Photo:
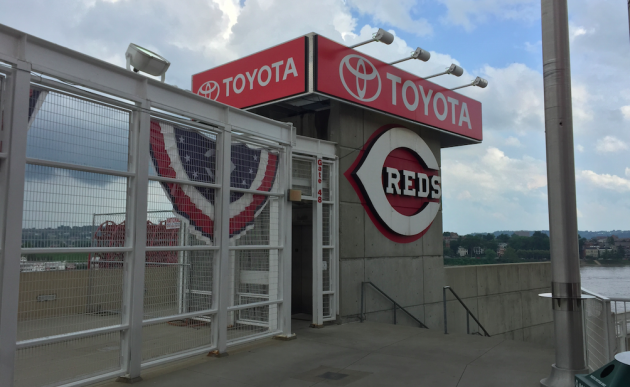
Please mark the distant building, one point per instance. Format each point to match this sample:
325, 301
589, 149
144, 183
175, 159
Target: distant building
462, 251
596, 251
477, 250
592, 252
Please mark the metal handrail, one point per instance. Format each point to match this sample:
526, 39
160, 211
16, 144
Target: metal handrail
468, 313
396, 305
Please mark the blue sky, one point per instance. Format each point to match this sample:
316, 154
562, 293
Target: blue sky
498, 185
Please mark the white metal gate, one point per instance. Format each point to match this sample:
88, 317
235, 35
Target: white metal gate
189, 257
315, 172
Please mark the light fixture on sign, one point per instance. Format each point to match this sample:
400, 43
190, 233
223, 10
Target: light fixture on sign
380, 36
453, 69
146, 61
479, 82
419, 54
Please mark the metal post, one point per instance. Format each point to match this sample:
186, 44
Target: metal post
318, 298
224, 154
362, 291
285, 254
12, 171
444, 301
136, 236
467, 323
566, 289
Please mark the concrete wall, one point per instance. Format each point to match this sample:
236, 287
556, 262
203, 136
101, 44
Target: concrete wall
504, 298
413, 273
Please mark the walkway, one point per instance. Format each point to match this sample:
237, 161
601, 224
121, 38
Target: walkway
368, 354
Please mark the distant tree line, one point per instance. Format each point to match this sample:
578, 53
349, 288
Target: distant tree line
535, 247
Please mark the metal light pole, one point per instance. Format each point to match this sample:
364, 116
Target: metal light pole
566, 285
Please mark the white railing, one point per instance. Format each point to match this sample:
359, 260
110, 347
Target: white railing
606, 328
81, 137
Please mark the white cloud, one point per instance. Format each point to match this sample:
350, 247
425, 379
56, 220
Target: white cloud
579, 148
513, 141
582, 102
464, 195
576, 31
534, 48
610, 144
606, 181
513, 100
627, 172
470, 13
625, 110
393, 13
493, 174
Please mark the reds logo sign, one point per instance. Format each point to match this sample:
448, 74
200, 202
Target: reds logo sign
398, 180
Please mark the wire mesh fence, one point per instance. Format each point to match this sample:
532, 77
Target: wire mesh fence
326, 182
80, 264
607, 326
67, 361
597, 333
178, 335
56, 302
621, 311
302, 176
59, 205
72, 129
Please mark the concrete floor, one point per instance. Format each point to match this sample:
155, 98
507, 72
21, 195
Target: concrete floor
368, 354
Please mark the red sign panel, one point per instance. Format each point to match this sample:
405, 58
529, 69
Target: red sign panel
266, 76
358, 78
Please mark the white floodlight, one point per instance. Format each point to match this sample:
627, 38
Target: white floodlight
380, 36
146, 61
419, 54
454, 70
479, 82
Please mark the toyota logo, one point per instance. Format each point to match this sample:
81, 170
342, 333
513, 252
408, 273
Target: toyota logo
362, 77
210, 90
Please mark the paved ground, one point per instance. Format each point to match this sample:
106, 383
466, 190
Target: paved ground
367, 354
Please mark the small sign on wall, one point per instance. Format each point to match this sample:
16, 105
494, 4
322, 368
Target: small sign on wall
173, 223
320, 164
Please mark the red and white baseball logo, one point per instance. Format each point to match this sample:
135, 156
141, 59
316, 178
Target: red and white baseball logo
397, 178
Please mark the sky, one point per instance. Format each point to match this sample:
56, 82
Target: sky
497, 185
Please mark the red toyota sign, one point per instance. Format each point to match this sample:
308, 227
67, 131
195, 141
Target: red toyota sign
272, 74
397, 178
345, 73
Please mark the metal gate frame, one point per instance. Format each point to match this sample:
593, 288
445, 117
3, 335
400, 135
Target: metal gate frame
319, 153
28, 61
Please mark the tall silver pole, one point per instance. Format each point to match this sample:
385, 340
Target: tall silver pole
565, 286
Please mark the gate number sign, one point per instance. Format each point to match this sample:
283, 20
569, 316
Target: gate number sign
319, 180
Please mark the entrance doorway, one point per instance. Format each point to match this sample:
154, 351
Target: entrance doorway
314, 259
302, 261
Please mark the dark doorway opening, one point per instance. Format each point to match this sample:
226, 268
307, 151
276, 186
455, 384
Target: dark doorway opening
302, 261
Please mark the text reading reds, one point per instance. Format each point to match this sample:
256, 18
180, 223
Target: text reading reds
409, 183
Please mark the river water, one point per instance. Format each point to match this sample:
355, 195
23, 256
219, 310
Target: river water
608, 281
